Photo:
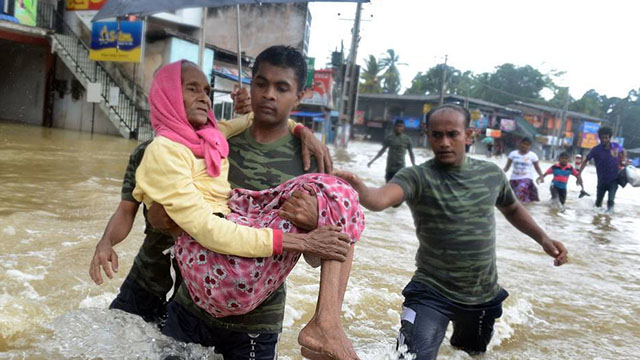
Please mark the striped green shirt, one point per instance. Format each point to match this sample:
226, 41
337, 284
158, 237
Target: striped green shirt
256, 166
454, 215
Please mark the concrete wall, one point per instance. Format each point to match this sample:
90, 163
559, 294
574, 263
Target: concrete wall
261, 27
22, 82
73, 114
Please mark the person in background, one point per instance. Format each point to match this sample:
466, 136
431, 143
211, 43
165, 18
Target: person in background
561, 172
608, 157
452, 198
578, 161
524, 161
398, 144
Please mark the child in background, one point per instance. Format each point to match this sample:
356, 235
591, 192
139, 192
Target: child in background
521, 181
561, 172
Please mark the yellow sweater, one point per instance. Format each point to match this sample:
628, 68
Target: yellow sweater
171, 175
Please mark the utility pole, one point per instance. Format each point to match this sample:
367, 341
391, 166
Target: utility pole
347, 103
563, 125
202, 43
444, 79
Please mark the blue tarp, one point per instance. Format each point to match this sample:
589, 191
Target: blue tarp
245, 80
309, 114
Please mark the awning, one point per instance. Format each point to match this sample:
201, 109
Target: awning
308, 114
231, 74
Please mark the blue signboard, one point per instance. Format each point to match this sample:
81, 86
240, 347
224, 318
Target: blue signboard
590, 127
116, 41
409, 122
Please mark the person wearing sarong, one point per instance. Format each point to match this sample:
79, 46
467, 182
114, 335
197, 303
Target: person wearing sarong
524, 161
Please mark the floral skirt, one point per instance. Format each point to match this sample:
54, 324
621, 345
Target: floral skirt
525, 190
225, 285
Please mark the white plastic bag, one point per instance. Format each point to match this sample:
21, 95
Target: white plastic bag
633, 175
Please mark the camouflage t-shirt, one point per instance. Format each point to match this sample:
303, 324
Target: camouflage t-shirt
150, 267
256, 166
453, 212
398, 146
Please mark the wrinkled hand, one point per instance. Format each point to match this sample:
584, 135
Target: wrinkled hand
104, 258
556, 250
311, 144
579, 181
301, 209
540, 180
160, 220
327, 242
241, 100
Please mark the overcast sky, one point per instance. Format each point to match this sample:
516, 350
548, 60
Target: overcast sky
595, 42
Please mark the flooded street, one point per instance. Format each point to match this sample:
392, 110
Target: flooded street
58, 188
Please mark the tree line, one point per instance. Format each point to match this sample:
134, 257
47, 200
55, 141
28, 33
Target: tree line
503, 86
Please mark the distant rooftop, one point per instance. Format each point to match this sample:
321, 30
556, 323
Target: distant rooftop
549, 109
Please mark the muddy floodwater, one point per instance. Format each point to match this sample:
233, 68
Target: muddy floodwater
58, 188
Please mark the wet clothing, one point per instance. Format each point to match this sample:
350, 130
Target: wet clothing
255, 166
426, 315
558, 193
137, 300
607, 162
226, 285
525, 190
398, 146
144, 290
522, 164
454, 216
603, 188
184, 326
561, 174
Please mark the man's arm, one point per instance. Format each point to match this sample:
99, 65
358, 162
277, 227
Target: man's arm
506, 167
519, 217
413, 158
117, 230
374, 199
384, 148
325, 243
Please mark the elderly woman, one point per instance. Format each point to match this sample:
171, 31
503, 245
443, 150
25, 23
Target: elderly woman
232, 254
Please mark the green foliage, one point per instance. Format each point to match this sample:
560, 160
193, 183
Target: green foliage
509, 83
370, 77
391, 76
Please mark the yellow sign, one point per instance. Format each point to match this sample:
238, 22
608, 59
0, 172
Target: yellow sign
116, 41
589, 140
85, 4
426, 108
476, 115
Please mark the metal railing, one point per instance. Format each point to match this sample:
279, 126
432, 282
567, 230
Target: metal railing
125, 109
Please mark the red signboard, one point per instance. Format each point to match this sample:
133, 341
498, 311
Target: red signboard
321, 92
85, 4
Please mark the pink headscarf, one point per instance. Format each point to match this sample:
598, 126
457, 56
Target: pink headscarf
169, 119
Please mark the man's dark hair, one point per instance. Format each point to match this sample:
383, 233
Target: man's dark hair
563, 154
284, 57
605, 130
398, 121
526, 140
454, 107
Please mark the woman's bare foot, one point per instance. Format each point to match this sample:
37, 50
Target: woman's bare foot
324, 342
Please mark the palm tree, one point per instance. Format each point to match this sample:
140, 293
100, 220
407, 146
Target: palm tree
391, 76
370, 77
